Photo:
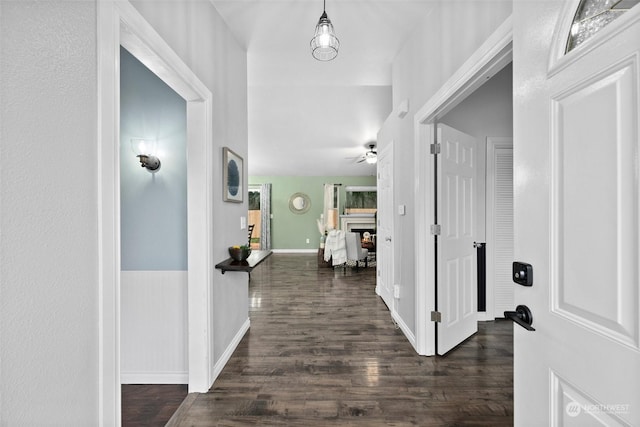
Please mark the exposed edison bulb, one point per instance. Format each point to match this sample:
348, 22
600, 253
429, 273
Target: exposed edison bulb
146, 152
324, 44
143, 146
325, 37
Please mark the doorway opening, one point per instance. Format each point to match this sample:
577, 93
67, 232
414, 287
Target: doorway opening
492, 57
486, 115
259, 216
153, 223
255, 218
120, 24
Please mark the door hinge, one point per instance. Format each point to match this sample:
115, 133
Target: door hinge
435, 229
436, 316
435, 148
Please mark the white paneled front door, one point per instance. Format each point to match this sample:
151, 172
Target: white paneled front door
577, 195
457, 275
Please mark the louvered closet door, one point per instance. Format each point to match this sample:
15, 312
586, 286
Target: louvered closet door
499, 225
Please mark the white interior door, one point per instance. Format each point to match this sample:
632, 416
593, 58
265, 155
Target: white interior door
499, 220
457, 286
384, 232
577, 199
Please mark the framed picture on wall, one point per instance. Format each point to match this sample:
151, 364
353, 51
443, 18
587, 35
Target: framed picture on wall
233, 187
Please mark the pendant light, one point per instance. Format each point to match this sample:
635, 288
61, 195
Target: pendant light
325, 44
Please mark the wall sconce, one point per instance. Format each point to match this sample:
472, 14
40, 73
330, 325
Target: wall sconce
145, 150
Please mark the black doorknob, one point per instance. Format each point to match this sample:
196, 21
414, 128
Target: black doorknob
522, 316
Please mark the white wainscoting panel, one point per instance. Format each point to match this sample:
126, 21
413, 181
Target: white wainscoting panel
154, 335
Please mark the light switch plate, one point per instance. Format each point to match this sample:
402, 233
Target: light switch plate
401, 209
243, 222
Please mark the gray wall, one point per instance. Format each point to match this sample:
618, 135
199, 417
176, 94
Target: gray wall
486, 112
153, 206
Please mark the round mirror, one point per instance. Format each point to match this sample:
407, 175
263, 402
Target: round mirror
299, 203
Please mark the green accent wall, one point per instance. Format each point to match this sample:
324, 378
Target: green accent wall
289, 230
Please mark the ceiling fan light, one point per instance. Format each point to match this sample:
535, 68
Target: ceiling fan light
371, 157
324, 44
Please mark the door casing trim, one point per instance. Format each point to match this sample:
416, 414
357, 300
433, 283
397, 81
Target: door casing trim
119, 23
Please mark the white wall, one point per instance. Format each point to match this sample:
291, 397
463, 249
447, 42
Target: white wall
49, 201
436, 49
197, 33
48, 214
340, 107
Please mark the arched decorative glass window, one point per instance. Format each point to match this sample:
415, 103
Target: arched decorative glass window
593, 15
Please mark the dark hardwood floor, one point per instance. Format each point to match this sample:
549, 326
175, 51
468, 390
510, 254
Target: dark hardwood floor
146, 405
323, 351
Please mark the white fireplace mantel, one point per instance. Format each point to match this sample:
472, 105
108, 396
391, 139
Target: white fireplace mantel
356, 221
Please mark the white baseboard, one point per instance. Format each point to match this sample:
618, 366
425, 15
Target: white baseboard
224, 358
154, 378
295, 251
405, 329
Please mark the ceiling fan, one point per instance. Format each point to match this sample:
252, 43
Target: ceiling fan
371, 156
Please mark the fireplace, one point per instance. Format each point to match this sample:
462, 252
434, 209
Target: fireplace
358, 222
371, 231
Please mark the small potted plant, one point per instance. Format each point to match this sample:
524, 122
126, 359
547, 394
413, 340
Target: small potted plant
239, 252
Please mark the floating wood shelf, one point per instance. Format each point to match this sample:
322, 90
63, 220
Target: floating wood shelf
252, 262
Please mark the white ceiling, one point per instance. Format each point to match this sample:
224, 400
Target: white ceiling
316, 118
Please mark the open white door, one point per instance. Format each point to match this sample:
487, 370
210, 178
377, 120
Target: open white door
384, 231
577, 196
456, 267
